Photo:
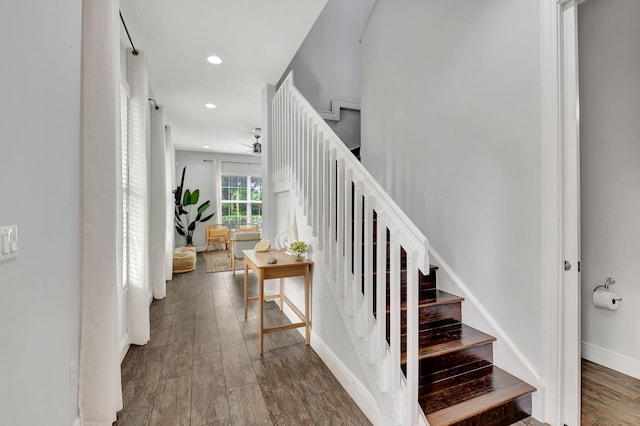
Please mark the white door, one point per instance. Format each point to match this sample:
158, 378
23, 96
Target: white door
570, 146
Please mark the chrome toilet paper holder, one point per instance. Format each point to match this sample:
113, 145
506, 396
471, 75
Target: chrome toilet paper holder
607, 283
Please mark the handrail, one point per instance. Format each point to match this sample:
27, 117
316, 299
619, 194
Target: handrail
359, 229
363, 172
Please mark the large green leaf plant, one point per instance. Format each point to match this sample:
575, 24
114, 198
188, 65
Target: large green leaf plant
184, 202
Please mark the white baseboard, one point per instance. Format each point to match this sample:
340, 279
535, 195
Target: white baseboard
77, 422
610, 359
354, 387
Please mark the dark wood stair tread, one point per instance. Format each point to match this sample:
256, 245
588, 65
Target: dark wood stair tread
442, 340
432, 297
472, 394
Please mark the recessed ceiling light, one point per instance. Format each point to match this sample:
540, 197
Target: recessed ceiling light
215, 60
210, 106
206, 146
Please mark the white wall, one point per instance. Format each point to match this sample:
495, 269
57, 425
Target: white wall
327, 64
610, 162
200, 175
451, 104
40, 192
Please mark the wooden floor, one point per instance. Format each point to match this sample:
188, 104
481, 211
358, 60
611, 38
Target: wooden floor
202, 365
608, 397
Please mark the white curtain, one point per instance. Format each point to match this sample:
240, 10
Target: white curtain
217, 190
170, 175
158, 205
100, 393
139, 293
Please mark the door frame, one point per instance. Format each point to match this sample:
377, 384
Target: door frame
560, 212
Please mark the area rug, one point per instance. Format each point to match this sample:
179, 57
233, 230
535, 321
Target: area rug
219, 261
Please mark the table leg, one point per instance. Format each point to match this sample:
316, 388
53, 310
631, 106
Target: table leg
261, 310
281, 294
307, 279
233, 260
246, 289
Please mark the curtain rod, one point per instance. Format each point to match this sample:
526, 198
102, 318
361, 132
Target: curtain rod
135, 52
234, 162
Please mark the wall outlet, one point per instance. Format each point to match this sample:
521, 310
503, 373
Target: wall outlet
73, 374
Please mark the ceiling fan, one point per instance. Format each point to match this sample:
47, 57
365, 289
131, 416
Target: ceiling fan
256, 147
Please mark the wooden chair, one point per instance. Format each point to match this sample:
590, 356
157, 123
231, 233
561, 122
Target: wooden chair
242, 241
247, 227
217, 233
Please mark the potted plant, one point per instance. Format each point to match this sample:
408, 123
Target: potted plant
300, 248
184, 202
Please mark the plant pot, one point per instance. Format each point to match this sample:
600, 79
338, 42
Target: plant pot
300, 257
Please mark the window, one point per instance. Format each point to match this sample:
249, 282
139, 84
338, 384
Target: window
241, 199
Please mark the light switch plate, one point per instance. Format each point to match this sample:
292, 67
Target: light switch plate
9, 241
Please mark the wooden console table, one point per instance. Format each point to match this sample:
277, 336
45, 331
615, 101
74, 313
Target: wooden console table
287, 266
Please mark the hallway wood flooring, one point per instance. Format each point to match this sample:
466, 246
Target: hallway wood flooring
608, 397
202, 365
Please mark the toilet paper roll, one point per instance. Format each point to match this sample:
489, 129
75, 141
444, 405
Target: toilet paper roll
606, 299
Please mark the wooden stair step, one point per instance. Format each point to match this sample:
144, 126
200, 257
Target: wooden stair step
442, 340
481, 392
433, 297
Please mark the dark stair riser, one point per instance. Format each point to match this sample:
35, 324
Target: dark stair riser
458, 376
446, 367
431, 316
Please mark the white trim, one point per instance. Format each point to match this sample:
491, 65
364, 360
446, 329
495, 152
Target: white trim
76, 422
354, 387
552, 273
610, 359
336, 106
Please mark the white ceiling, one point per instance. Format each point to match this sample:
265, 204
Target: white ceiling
256, 40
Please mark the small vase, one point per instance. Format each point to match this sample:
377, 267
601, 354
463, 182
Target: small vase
299, 257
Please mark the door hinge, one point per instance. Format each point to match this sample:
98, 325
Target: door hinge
579, 266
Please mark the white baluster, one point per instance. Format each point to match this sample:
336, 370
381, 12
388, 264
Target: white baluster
333, 206
356, 283
319, 190
340, 241
381, 285
369, 204
395, 310
411, 392
348, 241
325, 195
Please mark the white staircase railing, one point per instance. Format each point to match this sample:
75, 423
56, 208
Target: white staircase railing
344, 205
